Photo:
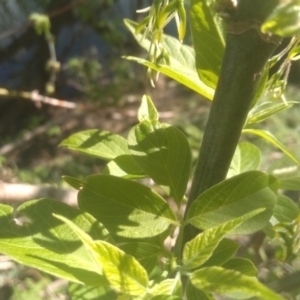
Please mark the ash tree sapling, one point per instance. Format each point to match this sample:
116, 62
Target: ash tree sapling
112, 246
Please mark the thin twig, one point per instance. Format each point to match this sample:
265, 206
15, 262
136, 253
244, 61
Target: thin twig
38, 98
50, 15
19, 143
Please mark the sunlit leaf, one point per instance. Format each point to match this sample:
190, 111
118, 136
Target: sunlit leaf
246, 158
208, 42
235, 197
170, 286
263, 114
102, 144
201, 248
284, 20
182, 62
182, 74
147, 110
231, 283
123, 271
37, 239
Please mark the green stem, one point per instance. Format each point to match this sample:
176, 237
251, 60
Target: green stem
247, 51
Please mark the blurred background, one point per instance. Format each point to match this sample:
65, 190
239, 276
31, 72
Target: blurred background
77, 79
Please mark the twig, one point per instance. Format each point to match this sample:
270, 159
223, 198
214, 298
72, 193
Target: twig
38, 98
51, 15
4, 150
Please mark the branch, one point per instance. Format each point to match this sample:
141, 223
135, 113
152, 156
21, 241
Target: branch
38, 98
50, 15
246, 54
4, 150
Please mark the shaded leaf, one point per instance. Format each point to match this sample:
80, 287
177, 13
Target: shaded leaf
163, 152
102, 144
231, 283
145, 253
285, 209
208, 42
124, 166
125, 207
261, 88
193, 293
223, 252
166, 297
85, 292
243, 265
73, 182
45, 243
235, 197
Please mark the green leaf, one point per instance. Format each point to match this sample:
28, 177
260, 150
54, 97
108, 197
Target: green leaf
168, 287
123, 271
125, 207
242, 265
180, 73
41, 24
235, 197
163, 152
246, 158
146, 254
182, 62
124, 166
73, 182
166, 297
273, 140
231, 283
102, 144
201, 248
268, 230
285, 210
287, 173
284, 20
208, 42
222, 253
261, 88
192, 293
35, 238
262, 115
85, 292
147, 110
